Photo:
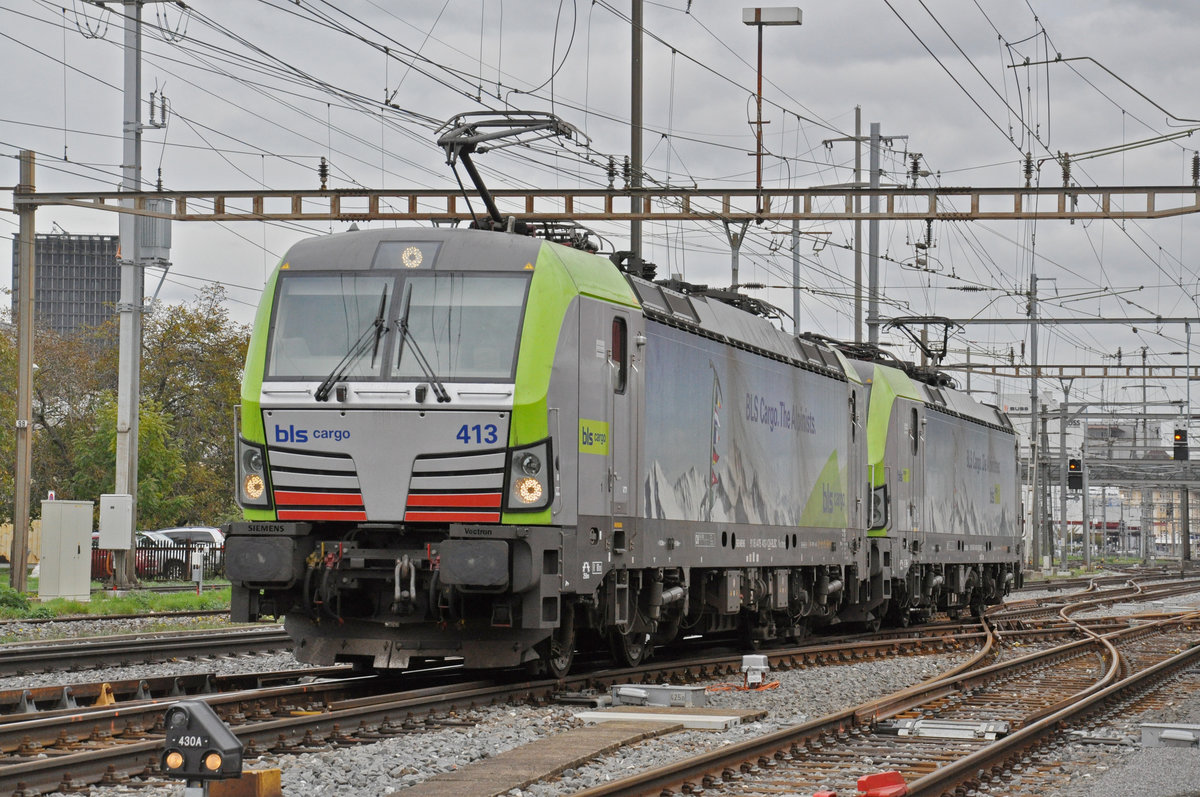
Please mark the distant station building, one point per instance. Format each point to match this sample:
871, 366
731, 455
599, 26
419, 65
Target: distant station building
78, 280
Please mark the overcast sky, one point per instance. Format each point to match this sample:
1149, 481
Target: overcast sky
258, 92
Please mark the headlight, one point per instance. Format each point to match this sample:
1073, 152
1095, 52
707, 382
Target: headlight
528, 490
252, 475
254, 486
530, 478
252, 460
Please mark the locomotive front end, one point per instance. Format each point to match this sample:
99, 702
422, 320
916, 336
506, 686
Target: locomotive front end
395, 466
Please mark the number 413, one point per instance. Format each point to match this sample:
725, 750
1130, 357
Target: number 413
478, 433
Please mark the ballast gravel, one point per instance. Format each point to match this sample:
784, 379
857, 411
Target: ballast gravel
25, 633
18, 632
1127, 769
1087, 768
455, 741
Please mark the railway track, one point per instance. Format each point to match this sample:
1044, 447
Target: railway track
70, 750
24, 703
978, 727
1133, 591
1025, 701
128, 649
107, 743
1113, 578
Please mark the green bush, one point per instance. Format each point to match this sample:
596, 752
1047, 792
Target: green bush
11, 599
39, 613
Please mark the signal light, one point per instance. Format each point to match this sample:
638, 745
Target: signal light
199, 746
1181, 444
1074, 474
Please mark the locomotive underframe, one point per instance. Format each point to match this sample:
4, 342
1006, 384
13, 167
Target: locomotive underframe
499, 596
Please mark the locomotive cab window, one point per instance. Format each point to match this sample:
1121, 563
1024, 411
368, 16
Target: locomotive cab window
319, 318
466, 325
619, 355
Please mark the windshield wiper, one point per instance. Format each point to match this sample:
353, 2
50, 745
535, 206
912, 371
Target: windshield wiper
368, 339
439, 390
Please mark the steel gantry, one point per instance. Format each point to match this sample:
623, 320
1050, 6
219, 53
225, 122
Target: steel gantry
648, 204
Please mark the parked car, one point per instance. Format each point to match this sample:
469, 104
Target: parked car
200, 535
208, 539
165, 558
157, 556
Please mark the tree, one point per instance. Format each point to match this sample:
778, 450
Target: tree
192, 364
76, 374
162, 494
8, 417
190, 383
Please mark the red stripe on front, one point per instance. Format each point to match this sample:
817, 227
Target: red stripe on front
301, 514
453, 517
292, 498
485, 500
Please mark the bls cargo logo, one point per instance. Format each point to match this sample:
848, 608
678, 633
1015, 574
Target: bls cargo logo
593, 437
290, 434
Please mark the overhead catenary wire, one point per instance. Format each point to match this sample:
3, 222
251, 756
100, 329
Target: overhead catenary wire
524, 167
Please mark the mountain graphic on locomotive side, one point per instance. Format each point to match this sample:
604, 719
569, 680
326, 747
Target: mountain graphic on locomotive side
465, 444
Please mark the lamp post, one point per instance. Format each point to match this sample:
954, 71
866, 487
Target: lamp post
1185, 498
761, 17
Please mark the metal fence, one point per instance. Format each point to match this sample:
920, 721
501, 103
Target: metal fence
162, 562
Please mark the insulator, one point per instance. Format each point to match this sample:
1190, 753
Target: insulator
612, 171
158, 185
916, 168
323, 172
929, 233
626, 171
1028, 169
1196, 168
1065, 159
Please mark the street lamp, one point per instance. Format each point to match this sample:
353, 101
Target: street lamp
761, 17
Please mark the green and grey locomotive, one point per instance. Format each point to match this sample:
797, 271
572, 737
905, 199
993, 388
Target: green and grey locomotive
462, 444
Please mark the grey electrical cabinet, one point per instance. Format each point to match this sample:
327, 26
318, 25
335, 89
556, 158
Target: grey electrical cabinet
66, 561
116, 521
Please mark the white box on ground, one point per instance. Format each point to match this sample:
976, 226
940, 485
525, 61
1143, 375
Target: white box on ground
658, 695
754, 667
66, 562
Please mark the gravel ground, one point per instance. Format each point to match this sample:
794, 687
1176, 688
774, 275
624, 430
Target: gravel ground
1088, 769
232, 665
18, 632
1130, 770
387, 766
23, 633
1189, 601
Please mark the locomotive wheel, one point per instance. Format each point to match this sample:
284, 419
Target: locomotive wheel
560, 647
630, 649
